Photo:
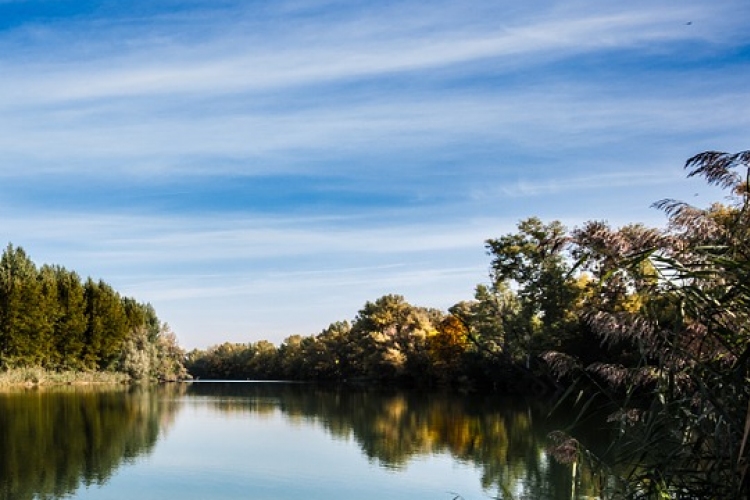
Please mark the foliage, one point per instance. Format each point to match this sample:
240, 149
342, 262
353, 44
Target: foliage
534, 262
24, 326
389, 341
681, 390
52, 321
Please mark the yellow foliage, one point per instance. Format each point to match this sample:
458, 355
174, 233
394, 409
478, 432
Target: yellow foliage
632, 303
448, 341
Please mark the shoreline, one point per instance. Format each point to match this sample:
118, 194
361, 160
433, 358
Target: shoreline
33, 377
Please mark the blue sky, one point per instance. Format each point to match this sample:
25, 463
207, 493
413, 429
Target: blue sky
261, 169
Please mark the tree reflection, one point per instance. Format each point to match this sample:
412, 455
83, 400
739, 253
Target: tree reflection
505, 439
55, 440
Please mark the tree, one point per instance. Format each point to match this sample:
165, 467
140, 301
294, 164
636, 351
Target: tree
70, 318
24, 326
446, 349
533, 262
494, 319
600, 251
329, 353
389, 339
107, 327
264, 361
50, 319
169, 363
292, 355
138, 355
683, 402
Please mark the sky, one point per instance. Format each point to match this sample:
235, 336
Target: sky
259, 169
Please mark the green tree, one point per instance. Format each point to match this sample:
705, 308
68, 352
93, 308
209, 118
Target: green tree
24, 326
49, 318
292, 356
534, 263
328, 355
493, 319
70, 325
227, 361
107, 325
264, 362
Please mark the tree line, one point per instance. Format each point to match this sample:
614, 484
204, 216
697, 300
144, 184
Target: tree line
544, 280
51, 318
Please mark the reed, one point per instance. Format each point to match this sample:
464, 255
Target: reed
38, 376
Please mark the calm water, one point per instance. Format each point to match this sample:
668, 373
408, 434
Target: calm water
272, 441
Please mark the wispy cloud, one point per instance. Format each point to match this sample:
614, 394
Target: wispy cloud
236, 61
155, 101
132, 139
574, 184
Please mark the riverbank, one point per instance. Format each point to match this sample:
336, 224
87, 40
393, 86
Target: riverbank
36, 376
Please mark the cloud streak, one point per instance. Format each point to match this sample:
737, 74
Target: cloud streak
235, 61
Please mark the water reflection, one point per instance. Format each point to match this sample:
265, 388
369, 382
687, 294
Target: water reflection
506, 439
54, 440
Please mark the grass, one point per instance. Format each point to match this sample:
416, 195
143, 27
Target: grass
36, 376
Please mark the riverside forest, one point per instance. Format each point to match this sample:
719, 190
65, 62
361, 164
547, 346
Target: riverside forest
648, 325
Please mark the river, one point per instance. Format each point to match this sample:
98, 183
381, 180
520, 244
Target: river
245, 440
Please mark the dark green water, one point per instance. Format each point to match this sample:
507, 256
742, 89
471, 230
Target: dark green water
273, 441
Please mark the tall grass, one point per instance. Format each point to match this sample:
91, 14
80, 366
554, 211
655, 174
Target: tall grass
36, 376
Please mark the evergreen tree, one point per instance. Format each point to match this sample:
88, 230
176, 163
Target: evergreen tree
23, 325
71, 322
107, 327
